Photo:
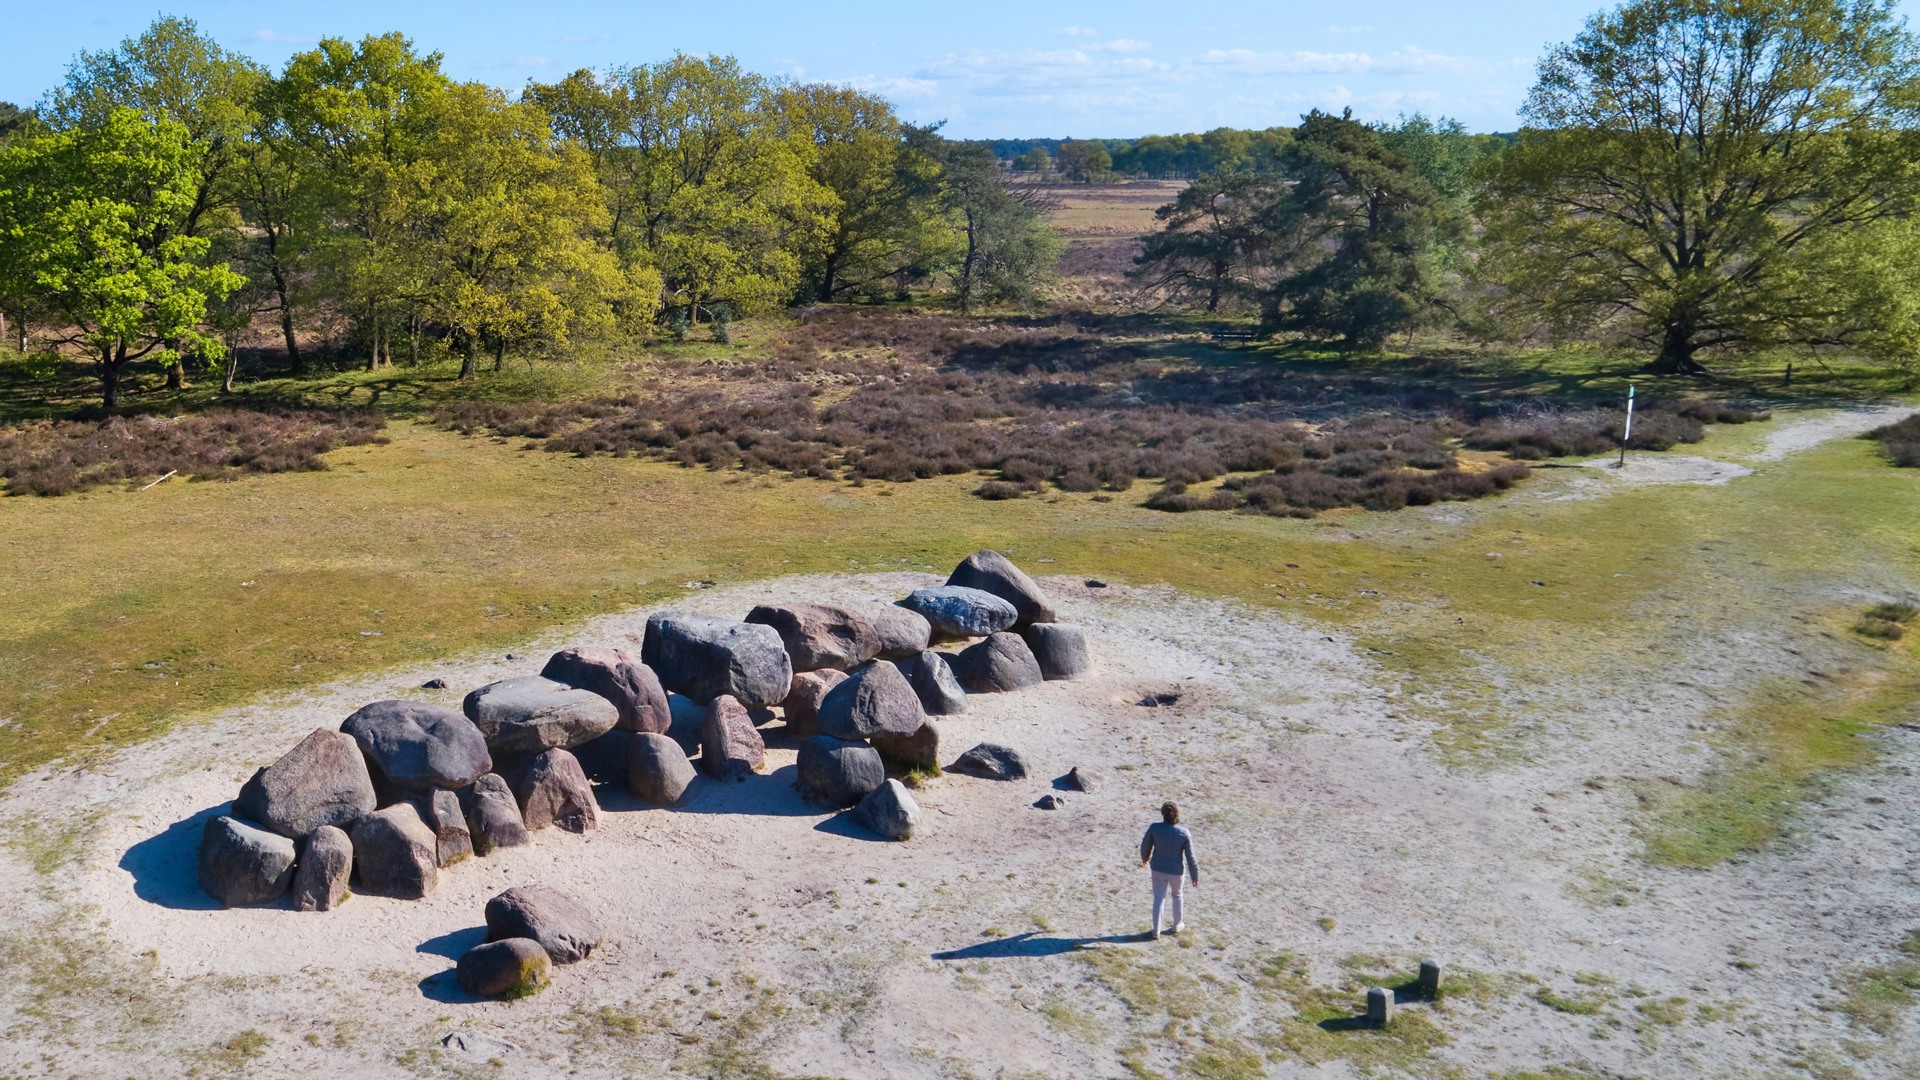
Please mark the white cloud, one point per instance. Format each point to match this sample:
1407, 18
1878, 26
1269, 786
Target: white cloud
1079, 31
895, 88
1121, 45
1410, 59
532, 61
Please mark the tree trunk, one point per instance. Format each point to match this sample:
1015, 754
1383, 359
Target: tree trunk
831, 271
373, 335
966, 267
1676, 351
177, 374
110, 377
499, 353
466, 357
233, 368
294, 359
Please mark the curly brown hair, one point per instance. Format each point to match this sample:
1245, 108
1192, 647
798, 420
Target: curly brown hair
1169, 813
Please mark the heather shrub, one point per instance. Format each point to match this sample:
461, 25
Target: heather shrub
1900, 441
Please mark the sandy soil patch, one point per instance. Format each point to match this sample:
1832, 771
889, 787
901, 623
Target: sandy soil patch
1666, 469
751, 935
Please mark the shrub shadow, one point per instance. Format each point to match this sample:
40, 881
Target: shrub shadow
166, 867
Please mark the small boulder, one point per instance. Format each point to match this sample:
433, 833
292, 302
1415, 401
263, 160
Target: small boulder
621, 678
802, 705
452, 840
933, 682
509, 968
704, 658
326, 863
919, 751
657, 769
435, 683
416, 747
874, 700
890, 811
493, 816
903, 633
730, 747
958, 613
1075, 780
553, 790
534, 713
837, 772
990, 571
991, 761
1047, 802
242, 864
820, 635
322, 781
395, 853
563, 926
1000, 663
1060, 650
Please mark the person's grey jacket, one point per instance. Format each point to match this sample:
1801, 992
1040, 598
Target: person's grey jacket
1169, 849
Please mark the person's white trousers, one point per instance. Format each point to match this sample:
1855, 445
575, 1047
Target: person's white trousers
1163, 884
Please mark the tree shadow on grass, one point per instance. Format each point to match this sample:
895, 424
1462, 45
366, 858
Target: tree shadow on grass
166, 867
1032, 944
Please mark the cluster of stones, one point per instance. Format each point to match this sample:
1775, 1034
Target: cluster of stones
405, 789
531, 929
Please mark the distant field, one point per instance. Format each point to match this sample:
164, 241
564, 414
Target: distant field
1099, 211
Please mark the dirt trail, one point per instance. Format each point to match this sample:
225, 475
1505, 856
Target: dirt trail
748, 931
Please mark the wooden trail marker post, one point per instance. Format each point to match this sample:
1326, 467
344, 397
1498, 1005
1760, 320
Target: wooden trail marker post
1627, 432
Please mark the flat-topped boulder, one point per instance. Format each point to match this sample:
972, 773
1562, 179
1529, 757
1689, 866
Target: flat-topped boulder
532, 713
730, 746
395, 853
415, 746
956, 613
989, 571
242, 864
801, 706
874, 700
563, 926
902, 632
820, 635
657, 769
621, 678
932, 679
1059, 649
704, 657
837, 772
991, 761
996, 665
322, 781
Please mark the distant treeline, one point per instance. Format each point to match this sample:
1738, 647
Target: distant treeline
1169, 157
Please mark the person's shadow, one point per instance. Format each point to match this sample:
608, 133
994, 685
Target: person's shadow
166, 867
1032, 944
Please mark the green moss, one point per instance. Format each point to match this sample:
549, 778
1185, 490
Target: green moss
1589, 1004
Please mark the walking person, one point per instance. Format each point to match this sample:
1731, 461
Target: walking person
1168, 847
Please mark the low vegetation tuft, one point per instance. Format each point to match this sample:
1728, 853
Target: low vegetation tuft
61, 456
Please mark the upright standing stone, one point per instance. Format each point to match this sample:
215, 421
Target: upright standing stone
730, 747
990, 571
621, 678
453, 841
933, 680
874, 700
657, 769
1430, 979
395, 853
493, 816
553, 790
890, 811
326, 863
1000, 663
1379, 1006
1059, 649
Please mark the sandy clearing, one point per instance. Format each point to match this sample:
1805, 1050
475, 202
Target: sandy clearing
746, 921
1825, 426
1666, 469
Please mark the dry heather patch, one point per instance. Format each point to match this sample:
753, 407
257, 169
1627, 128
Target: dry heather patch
61, 456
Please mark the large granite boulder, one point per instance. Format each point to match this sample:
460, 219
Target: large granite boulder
395, 853
730, 746
918, 752
562, 925
241, 864
322, 781
836, 772
820, 635
526, 715
889, 811
1000, 663
416, 746
657, 769
510, 968
990, 571
553, 790
802, 704
704, 657
902, 632
452, 840
493, 816
875, 699
931, 677
957, 613
326, 863
621, 678
991, 761
1060, 650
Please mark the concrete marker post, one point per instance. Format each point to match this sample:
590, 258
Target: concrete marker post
1430, 979
1379, 1006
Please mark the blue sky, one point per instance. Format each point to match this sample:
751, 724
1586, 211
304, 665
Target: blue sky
989, 68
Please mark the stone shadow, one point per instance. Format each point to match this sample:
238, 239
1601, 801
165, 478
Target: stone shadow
455, 943
166, 866
1032, 944
444, 987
